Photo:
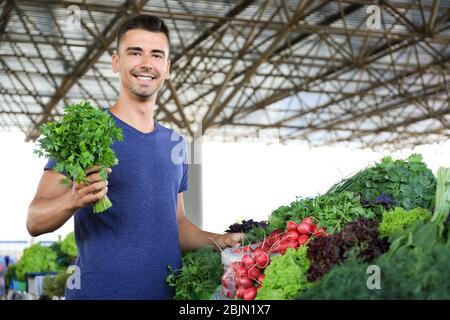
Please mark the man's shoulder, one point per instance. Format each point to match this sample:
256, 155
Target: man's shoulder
174, 135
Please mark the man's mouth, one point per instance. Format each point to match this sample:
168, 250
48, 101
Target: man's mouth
144, 77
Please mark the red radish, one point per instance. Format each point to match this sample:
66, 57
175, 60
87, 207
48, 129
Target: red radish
304, 228
236, 265
292, 235
302, 239
287, 245
291, 226
250, 293
228, 293
293, 244
261, 278
320, 233
247, 249
275, 235
308, 220
313, 228
226, 281
284, 245
276, 232
254, 273
258, 251
274, 248
266, 247
262, 261
248, 261
242, 271
237, 282
240, 293
245, 283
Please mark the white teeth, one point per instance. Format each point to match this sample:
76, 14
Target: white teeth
144, 78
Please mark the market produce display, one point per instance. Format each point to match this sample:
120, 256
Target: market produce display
79, 141
253, 265
393, 215
36, 258
199, 276
415, 267
55, 258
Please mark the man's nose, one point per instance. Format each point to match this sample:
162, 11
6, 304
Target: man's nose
146, 63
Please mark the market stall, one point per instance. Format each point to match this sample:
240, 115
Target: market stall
380, 234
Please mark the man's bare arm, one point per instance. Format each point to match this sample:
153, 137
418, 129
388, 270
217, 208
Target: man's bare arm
193, 238
54, 203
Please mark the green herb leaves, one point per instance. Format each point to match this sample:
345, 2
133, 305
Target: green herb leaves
332, 212
199, 277
409, 182
79, 141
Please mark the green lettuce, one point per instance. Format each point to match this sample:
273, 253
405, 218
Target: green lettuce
286, 276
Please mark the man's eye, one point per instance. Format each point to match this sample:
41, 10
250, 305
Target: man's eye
157, 56
135, 53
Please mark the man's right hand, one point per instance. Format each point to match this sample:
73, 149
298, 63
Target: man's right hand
86, 194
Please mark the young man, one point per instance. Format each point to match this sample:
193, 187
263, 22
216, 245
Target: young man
125, 251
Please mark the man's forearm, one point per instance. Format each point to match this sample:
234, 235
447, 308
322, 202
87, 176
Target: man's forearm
46, 215
193, 238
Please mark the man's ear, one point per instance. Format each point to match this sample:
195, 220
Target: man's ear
168, 70
115, 63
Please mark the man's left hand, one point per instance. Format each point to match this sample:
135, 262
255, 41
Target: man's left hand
229, 239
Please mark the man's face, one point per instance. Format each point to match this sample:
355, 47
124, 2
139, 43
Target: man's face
142, 62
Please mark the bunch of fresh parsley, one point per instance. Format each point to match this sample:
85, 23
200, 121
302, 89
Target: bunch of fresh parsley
79, 141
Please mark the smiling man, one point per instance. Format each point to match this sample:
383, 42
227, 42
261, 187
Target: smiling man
125, 251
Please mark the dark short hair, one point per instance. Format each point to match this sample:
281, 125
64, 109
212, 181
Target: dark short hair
144, 22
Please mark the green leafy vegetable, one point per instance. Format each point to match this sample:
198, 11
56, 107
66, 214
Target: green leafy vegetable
79, 141
286, 276
332, 212
68, 245
399, 219
432, 233
36, 259
199, 276
409, 182
56, 286
258, 234
442, 208
411, 273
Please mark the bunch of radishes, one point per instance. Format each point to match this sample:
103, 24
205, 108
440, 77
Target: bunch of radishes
243, 278
295, 235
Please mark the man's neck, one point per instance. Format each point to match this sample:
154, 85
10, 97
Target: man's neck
138, 114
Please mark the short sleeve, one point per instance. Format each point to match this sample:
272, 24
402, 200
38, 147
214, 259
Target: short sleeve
50, 165
184, 179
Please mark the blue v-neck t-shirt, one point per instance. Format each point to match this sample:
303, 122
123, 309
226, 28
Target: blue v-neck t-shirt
124, 252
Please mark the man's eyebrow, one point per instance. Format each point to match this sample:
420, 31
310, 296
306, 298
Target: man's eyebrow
134, 49
159, 51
